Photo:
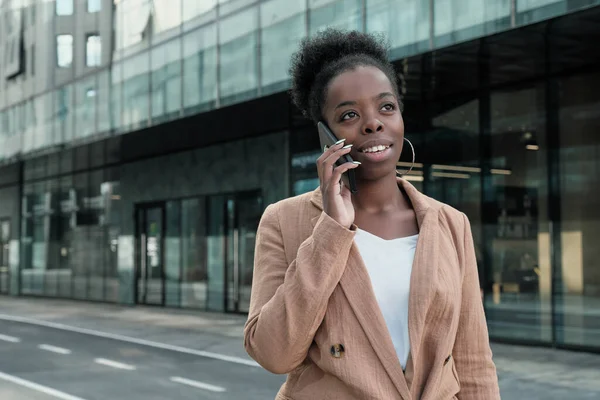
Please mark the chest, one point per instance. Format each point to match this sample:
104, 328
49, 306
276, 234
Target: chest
388, 225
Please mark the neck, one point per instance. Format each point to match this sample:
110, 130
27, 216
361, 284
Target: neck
379, 196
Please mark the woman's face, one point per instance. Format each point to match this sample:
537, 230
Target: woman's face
362, 108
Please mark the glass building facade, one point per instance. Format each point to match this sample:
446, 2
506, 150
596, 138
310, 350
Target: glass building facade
143, 179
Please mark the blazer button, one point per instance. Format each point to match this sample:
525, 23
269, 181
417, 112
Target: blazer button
337, 350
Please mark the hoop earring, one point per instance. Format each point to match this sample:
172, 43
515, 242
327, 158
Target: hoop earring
401, 174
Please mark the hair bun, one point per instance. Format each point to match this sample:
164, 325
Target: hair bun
324, 48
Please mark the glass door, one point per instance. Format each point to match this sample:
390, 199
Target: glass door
4, 260
150, 261
243, 215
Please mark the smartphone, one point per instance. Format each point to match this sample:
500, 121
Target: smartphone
327, 139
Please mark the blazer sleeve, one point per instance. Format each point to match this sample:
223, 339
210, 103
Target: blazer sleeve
472, 352
288, 302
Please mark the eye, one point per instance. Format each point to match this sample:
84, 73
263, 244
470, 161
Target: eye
389, 107
348, 115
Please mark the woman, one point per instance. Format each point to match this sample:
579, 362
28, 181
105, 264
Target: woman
371, 295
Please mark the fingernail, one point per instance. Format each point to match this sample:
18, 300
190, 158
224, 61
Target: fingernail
347, 146
325, 149
356, 162
340, 141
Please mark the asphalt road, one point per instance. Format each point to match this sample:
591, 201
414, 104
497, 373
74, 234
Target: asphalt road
37, 360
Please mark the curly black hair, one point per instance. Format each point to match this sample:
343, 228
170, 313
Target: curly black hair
327, 54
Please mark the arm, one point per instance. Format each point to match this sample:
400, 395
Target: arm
472, 353
288, 302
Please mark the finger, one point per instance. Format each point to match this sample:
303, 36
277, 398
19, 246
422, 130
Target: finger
330, 149
327, 153
336, 175
328, 163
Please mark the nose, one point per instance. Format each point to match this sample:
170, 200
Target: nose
372, 125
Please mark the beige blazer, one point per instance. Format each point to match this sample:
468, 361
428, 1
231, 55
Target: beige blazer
313, 314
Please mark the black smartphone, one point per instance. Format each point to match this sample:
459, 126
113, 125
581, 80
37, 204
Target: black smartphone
327, 139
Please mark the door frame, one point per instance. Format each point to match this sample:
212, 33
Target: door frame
140, 212
235, 196
3, 220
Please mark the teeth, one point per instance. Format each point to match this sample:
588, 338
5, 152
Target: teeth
375, 149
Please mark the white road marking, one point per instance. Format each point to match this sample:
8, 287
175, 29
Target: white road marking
38, 387
143, 342
54, 349
11, 339
196, 384
114, 364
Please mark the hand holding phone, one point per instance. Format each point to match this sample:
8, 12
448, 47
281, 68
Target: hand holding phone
332, 165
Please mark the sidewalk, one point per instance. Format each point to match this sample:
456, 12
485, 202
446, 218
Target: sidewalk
524, 372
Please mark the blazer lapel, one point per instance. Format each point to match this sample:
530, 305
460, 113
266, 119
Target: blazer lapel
424, 268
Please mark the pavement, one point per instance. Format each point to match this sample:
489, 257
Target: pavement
61, 349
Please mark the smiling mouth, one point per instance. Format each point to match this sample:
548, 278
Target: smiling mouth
375, 149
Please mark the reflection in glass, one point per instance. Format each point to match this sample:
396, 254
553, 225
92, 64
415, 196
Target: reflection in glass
519, 305
238, 68
64, 7
103, 101
93, 51
63, 114
200, 69
173, 254
405, 24
194, 9
341, 14
283, 25
166, 81
578, 298
64, 50
530, 11
166, 14
85, 107
194, 285
94, 6
136, 82
458, 20
116, 92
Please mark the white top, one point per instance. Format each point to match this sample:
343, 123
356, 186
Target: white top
389, 263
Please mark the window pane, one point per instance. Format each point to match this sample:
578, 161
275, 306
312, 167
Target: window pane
193, 237
578, 296
131, 21
518, 306
104, 101
64, 7
405, 24
94, 5
64, 50
63, 114
342, 14
173, 254
166, 14
93, 54
283, 26
116, 91
136, 83
197, 12
529, 11
166, 81
200, 70
238, 66
459, 20
85, 107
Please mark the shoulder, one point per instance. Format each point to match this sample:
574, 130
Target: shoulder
451, 220
292, 210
